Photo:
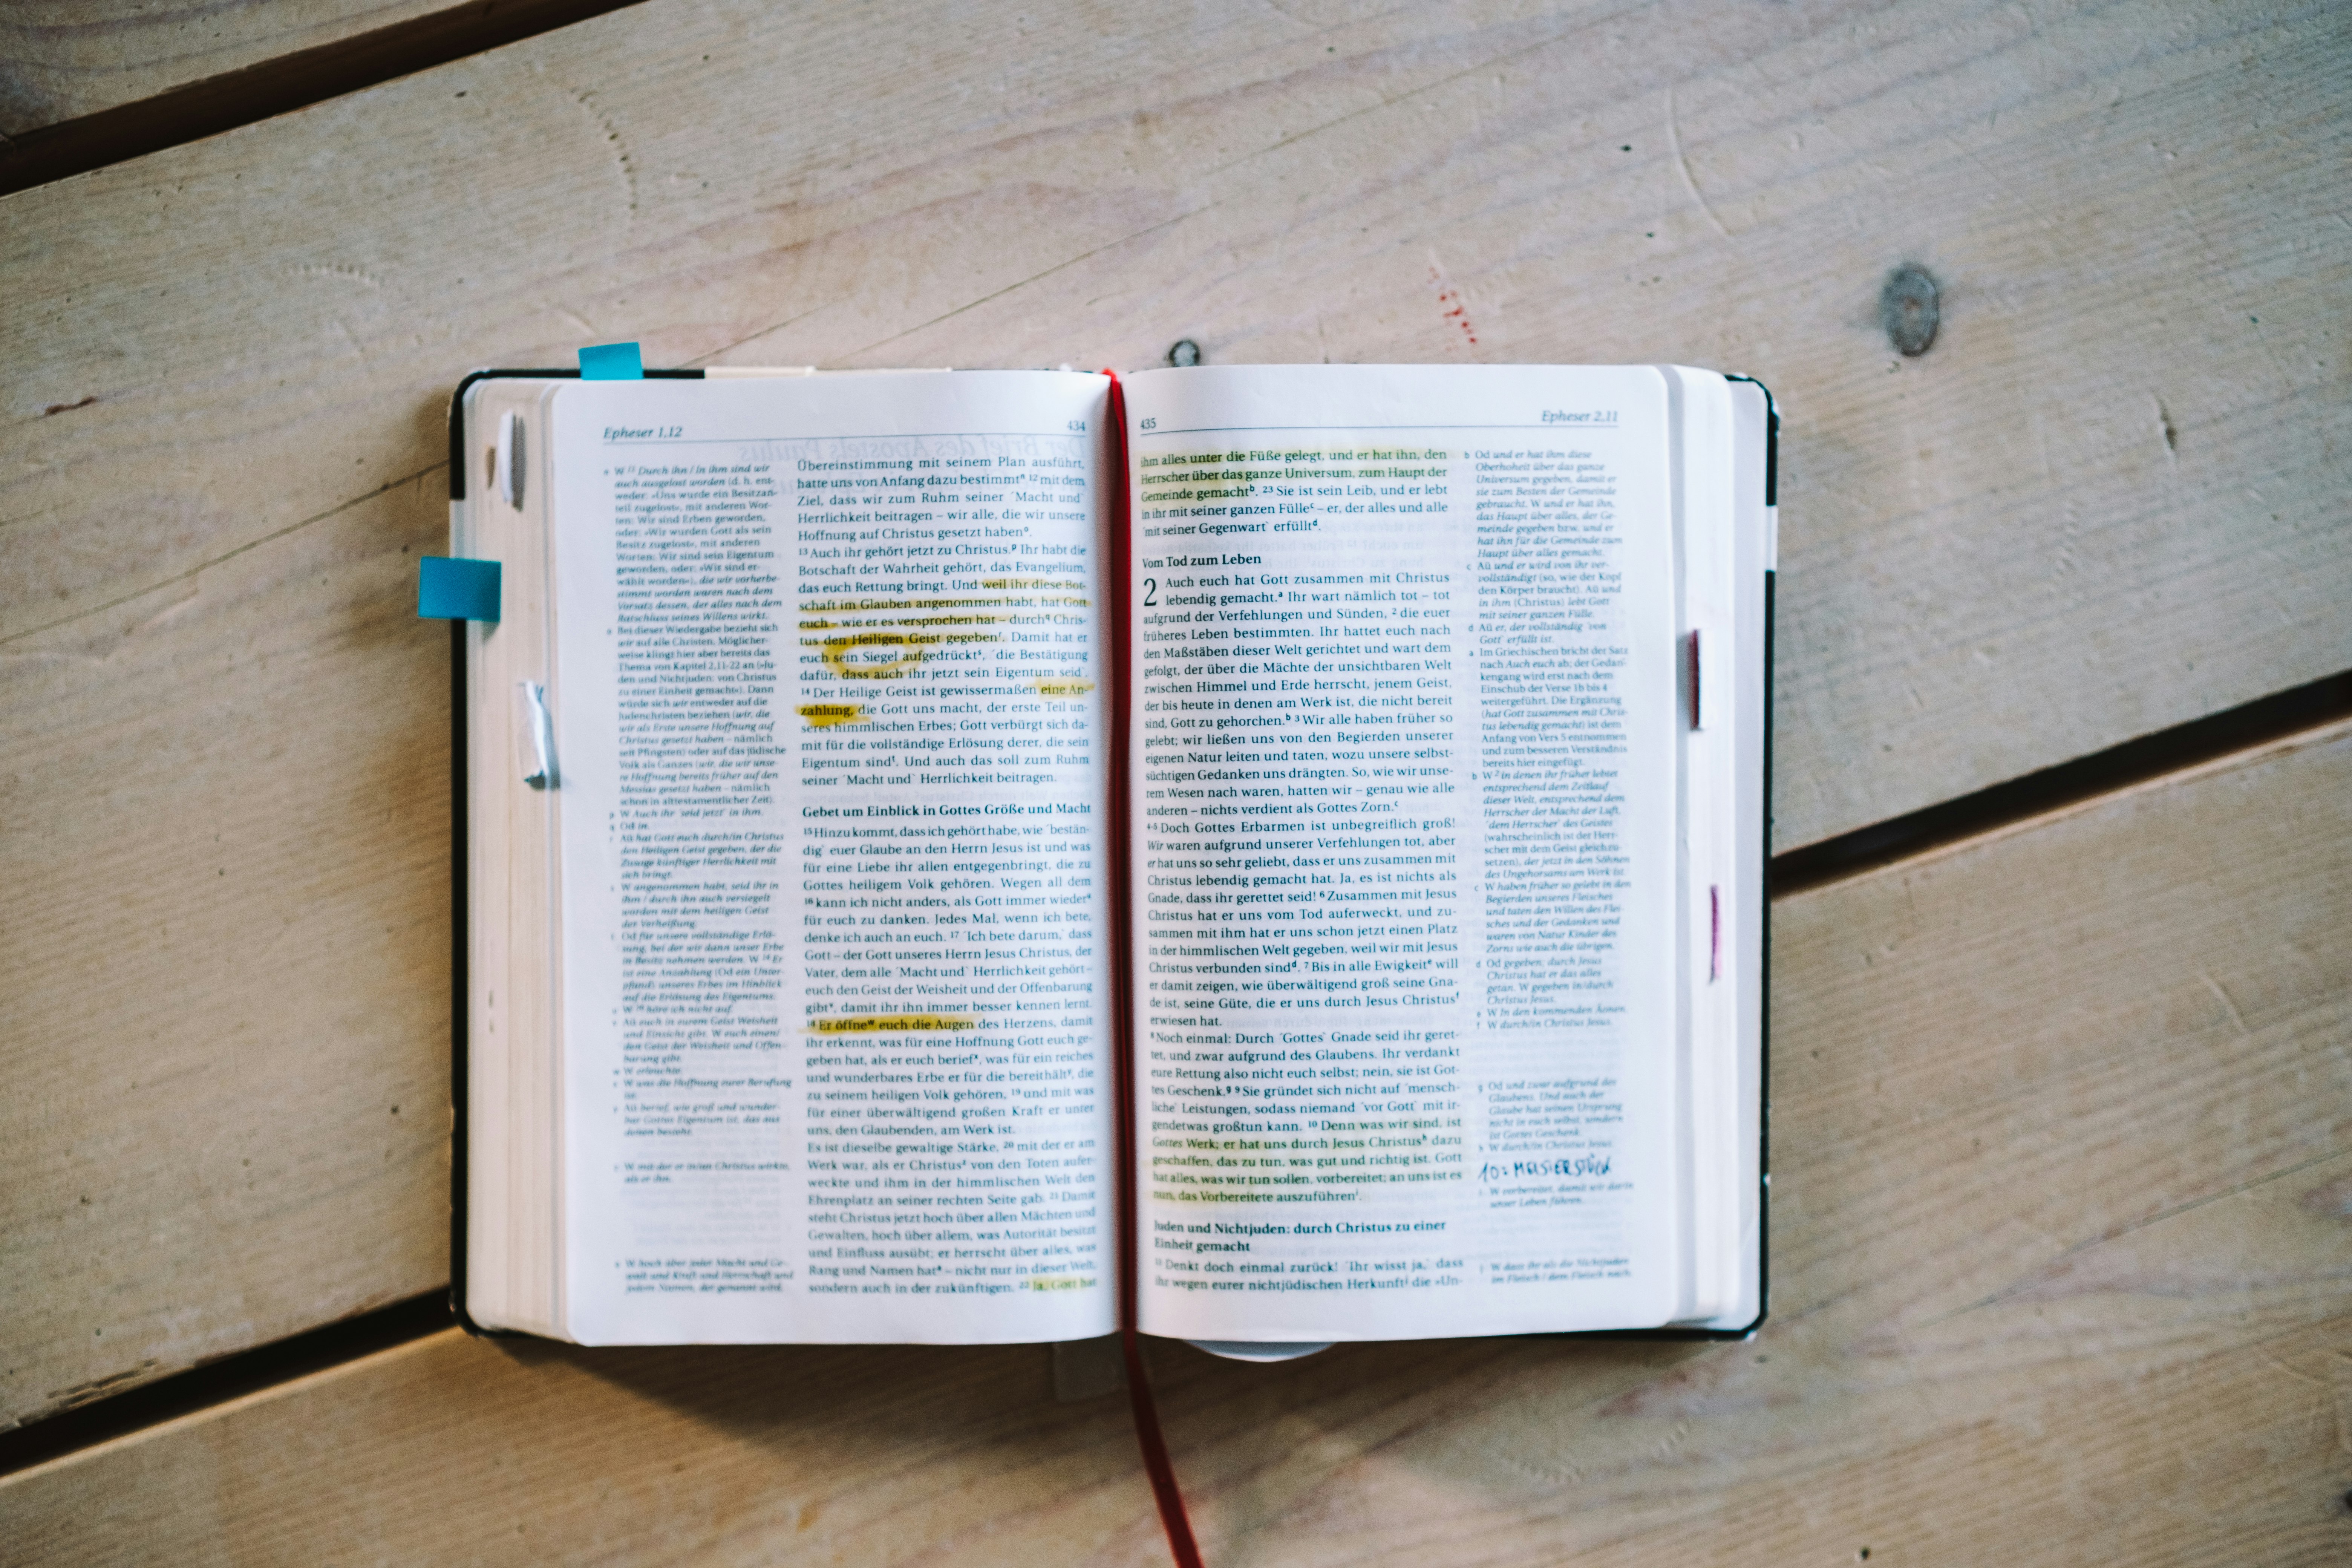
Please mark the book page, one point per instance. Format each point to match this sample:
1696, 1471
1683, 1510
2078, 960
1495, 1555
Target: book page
1405, 813
829, 718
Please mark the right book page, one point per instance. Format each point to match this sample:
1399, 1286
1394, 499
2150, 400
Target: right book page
1411, 904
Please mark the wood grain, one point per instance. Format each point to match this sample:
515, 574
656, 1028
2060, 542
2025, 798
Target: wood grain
67, 59
2109, 498
2062, 1230
224, 1020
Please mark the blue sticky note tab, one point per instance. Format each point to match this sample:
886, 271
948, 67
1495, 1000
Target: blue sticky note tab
452, 588
612, 362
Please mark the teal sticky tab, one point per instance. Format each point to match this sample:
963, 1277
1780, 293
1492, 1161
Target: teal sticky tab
452, 588
612, 362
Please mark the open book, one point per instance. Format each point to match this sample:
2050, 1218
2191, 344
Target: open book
934, 840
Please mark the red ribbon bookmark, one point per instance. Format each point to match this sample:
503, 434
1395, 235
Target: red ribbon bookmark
1172, 1519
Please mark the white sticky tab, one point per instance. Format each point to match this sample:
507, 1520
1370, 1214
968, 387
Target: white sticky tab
541, 726
508, 466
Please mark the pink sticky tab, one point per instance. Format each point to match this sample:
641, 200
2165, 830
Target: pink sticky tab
1690, 647
1715, 932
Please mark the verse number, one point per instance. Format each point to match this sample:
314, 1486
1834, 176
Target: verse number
1152, 424
1152, 590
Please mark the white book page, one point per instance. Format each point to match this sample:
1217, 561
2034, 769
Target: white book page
1404, 813
1743, 939
836, 985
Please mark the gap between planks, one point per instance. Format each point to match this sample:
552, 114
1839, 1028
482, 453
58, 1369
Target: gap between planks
249, 94
1940, 849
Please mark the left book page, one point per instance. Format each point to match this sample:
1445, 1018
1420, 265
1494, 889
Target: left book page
829, 702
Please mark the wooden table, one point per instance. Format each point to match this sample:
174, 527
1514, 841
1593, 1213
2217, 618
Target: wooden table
2062, 1188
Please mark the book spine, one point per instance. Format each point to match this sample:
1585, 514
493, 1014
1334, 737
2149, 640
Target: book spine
1166, 1495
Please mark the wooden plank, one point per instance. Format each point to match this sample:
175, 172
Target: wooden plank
2062, 1220
231, 357
68, 58
224, 1020
1997, 556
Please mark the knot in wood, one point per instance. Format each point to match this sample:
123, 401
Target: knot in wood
1907, 309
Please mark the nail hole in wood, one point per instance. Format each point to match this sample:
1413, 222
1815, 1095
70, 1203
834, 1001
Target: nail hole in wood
1907, 310
1185, 353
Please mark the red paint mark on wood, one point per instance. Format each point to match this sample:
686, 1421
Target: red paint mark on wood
1450, 305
